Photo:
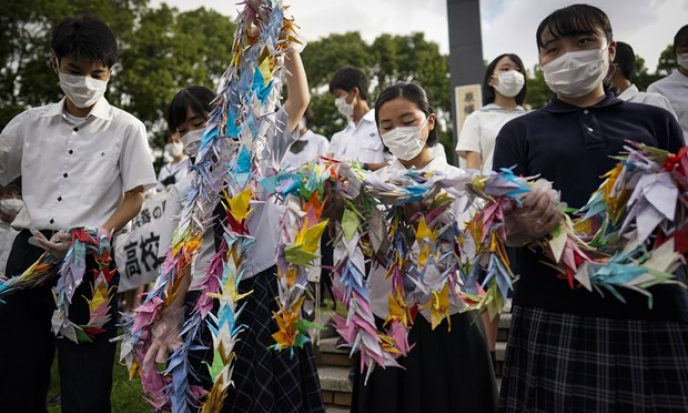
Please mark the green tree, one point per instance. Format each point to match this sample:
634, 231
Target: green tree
643, 77
388, 59
667, 62
25, 26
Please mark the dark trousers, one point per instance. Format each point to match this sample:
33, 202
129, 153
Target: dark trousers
27, 345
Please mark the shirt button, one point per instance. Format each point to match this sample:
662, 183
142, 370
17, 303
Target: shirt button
65, 174
585, 111
71, 151
590, 130
76, 129
52, 221
59, 199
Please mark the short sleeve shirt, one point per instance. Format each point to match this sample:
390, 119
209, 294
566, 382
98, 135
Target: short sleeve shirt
572, 147
74, 175
480, 131
313, 146
675, 88
360, 142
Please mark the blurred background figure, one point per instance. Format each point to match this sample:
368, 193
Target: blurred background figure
622, 80
675, 86
179, 164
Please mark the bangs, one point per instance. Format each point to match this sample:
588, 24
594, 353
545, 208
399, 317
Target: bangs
197, 98
573, 21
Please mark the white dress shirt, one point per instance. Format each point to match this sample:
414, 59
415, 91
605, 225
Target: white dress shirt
632, 94
315, 147
74, 175
379, 287
675, 88
360, 142
480, 130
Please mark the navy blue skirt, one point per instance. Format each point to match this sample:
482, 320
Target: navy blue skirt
558, 362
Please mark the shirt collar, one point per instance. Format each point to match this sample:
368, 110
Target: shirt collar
558, 106
493, 107
368, 117
629, 93
437, 164
679, 77
101, 109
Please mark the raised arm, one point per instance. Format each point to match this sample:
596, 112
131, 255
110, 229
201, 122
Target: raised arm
297, 87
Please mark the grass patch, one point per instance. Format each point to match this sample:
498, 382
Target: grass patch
126, 396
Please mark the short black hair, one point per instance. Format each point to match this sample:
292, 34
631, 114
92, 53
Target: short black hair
413, 93
198, 98
681, 37
309, 115
348, 78
625, 60
13, 188
488, 91
574, 21
86, 37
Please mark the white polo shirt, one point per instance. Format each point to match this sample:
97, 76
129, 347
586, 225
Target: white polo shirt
314, 147
480, 130
74, 175
632, 94
675, 88
360, 142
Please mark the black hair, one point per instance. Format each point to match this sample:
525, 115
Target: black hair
348, 78
625, 60
198, 98
413, 93
574, 21
85, 37
488, 91
681, 37
309, 115
13, 188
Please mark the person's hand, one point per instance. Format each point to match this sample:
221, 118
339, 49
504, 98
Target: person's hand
535, 219
166, 335
57, 245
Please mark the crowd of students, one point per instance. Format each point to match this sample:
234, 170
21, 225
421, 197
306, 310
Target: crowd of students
84, 163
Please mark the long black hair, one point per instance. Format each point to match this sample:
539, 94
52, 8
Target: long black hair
198, 98
413, 93
574, 20
488, 90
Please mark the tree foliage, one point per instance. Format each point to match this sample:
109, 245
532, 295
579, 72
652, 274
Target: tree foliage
163, 50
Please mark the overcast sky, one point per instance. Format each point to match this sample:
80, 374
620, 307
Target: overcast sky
507, 25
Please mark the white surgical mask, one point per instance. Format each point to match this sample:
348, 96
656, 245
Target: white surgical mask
682, 59
11, 206
192, 142
346, 109
405, 142
174, 149
510, 83
576, 74
83, 91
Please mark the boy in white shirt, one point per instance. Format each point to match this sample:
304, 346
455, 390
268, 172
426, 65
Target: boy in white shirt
622, 77
675, 86
83, 163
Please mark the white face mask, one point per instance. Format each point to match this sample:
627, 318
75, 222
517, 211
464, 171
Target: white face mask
83, 91
405, 142
510, 83
682, 60
11, 206
346, 109
174, 149
192, 142
576, 74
